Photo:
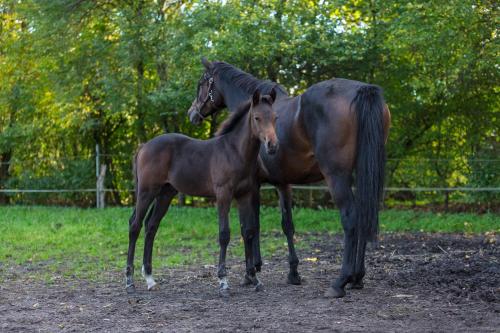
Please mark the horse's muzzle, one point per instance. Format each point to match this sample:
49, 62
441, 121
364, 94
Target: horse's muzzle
194, 116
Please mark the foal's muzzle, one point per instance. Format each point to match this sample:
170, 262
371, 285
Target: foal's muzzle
271, 148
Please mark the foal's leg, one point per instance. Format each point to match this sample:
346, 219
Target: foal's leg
249, 231
285, 193
340, 188
223, 205
135, 223
256, 214
160, 209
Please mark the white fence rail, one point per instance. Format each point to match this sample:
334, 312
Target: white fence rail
100, 174
268, 187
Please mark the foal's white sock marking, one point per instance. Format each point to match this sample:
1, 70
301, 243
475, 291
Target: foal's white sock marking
149, 279
223, 284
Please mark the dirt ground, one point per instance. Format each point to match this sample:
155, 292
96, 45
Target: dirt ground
414, 283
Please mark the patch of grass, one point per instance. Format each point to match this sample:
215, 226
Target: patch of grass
86, 242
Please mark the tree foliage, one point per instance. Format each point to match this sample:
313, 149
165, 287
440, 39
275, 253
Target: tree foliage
76, 73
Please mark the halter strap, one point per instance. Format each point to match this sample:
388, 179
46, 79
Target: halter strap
210, 95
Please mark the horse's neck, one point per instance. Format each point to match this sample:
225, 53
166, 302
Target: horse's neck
243, 140
233, 95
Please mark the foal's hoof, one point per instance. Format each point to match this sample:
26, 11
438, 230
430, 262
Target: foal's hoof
334, 292
259, 286
294, 278
224, 292
246, 281
356, 285
154, 286
130, 289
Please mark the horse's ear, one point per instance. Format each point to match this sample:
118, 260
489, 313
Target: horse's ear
256, 97
208, 65
273, 95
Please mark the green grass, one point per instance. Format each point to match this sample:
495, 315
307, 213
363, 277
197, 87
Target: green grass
86, 242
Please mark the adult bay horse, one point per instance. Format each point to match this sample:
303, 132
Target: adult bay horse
334, 129
224, 167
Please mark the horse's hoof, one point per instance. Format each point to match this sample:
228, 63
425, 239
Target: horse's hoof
334, 292
259, 286
224, 292
130, 289
294, 278
246, 281
356, 285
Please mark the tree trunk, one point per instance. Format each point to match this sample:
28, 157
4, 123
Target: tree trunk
4, 174
141, 129
139, 68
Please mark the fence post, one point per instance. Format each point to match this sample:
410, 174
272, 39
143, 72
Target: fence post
181, 199
97, 162
100, 174
100, 187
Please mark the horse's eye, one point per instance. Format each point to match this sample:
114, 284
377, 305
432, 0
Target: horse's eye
257, 118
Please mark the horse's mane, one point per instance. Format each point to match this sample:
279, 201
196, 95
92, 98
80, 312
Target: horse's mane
234, 118
245, 81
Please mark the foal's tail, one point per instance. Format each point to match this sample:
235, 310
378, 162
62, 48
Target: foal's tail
136, 181
134, 168
370, 159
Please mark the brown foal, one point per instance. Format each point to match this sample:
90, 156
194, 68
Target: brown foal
224, 167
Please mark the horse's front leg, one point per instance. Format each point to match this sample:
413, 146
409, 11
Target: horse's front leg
223, 206
249, 220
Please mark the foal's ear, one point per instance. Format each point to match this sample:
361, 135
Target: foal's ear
208, 65
256, 97
273, 95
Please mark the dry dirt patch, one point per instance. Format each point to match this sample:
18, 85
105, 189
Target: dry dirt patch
415, 282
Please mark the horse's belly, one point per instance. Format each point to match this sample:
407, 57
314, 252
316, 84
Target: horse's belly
291, 168
303, 174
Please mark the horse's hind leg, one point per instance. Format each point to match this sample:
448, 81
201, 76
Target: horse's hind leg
285, 193
340, 188
135, 223
359, 268
161, 206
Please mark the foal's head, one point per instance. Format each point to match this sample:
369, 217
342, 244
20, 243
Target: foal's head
263, 120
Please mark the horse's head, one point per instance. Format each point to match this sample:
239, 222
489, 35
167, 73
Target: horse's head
208, 98
263, 120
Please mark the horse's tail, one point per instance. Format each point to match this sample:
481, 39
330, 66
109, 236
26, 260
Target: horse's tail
370, 159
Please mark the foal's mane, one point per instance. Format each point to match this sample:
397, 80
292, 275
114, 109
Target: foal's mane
245, 81
234, 118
